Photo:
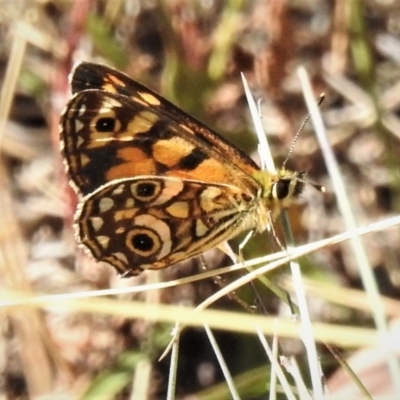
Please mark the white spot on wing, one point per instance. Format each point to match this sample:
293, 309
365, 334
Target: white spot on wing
201, 228
118, 190
106, 203
97, 223
81, 110
207, 197
103, 241
78, 125
172, 187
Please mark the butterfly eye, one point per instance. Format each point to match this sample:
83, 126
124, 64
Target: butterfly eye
106, 124
280, 189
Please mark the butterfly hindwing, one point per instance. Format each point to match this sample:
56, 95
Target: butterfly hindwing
152, 222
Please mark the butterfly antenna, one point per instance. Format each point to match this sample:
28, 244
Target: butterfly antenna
320, 100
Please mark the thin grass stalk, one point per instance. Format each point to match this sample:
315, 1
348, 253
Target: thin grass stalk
307, 334
173, 365
222, 363
278, 369
349, 220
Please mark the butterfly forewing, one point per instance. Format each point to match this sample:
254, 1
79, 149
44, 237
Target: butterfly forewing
107, 136
101, 77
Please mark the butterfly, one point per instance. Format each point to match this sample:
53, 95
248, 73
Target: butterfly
156, 185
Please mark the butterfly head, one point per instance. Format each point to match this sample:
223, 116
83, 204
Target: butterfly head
277, 192
286, 188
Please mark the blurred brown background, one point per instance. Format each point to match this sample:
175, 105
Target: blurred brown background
193, 52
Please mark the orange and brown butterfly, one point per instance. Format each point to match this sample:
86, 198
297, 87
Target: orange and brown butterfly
156, 185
